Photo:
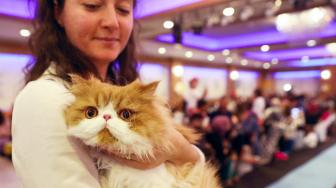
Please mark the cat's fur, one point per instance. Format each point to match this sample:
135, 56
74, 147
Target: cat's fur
144, 130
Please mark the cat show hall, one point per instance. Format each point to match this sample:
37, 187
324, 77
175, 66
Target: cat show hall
242, 91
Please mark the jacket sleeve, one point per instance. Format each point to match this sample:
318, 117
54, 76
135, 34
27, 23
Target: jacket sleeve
43, 154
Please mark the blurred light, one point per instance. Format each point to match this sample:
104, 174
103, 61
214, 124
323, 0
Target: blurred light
228, 11
278, 3
211, 57
177, 46
162, 50
229, 60
25, 33
244, 62
266, 65
287, 87
305, 58
331, 47
311, 43
326, 74
234, 75
246, 13
265, 48
178, 70
275, 61
310, 20
168, 24
189, 54
226, 52
180, 88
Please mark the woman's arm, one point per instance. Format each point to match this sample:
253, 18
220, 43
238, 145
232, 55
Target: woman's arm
43, 155
183, 152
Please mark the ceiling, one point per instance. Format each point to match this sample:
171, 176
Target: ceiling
209, 37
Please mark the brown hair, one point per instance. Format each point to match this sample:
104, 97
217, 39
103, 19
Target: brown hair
49, 43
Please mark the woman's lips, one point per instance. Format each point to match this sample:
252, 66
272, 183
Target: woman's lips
109, 41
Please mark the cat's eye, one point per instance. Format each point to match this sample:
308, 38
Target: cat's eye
125, 114
91, 112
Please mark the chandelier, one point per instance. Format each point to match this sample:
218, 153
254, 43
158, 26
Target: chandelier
308, 21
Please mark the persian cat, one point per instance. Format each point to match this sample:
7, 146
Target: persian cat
132, 120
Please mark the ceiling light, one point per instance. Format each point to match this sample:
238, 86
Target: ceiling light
244, 62
189, 54
178, 70
162, 50
331, 47
275, 61
287, 87
265, 48
211, 57
310, 20
168, 24
234, 75
266, 65
229, 60
228, 11
311, 43
226, 52
325, 74
25, 32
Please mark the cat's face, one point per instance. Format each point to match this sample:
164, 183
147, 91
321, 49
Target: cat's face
114, 117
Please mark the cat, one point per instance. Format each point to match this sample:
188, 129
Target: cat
132, 120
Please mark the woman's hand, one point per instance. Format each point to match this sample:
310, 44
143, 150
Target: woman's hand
182, 152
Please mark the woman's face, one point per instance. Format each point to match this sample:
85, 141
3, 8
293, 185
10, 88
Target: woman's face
99, 28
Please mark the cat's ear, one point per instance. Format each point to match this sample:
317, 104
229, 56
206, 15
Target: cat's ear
150, 88
136, 83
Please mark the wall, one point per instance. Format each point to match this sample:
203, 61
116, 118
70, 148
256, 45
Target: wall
303, 82
214, 80
246, 83
11, 78
155, 72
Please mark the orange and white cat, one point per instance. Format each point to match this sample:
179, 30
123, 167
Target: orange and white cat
133, 121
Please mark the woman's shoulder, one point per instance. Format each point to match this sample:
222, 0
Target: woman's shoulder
45, 90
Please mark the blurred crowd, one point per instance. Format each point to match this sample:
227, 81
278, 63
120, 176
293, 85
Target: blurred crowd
5, 134
242, 133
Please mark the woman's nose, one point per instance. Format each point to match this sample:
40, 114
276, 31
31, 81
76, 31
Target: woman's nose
110, 18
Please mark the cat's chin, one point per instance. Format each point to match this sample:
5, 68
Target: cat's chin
91, 141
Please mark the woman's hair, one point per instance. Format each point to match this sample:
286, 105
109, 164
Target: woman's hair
49, 43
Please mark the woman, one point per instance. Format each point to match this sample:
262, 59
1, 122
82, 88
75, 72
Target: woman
82, 37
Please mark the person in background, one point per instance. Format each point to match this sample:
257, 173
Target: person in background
193, 94
221, 110
259, 104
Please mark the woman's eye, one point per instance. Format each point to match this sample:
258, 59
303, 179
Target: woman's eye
91, 112
125, 114
123, 10
91, 7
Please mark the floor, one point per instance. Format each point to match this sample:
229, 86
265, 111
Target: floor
275, 171
318, 172
319, 163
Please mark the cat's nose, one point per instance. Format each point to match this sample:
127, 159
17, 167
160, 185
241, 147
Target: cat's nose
107, 117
